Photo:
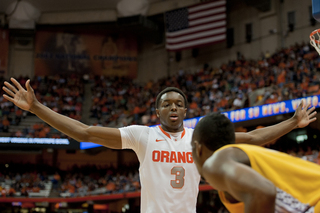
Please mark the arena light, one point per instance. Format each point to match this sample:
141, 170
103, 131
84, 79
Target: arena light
22, 15
301, 138
127, 8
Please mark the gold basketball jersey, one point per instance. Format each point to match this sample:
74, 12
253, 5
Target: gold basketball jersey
297, 181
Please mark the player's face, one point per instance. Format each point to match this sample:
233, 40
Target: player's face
172, 111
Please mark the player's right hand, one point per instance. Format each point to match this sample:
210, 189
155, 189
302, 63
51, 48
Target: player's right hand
22, 98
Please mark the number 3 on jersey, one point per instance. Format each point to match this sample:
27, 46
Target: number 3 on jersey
179, 172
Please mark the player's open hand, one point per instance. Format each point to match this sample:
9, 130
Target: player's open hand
304, 115
22, 98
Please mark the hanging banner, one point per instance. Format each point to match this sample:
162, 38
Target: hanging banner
57, 52
4, 51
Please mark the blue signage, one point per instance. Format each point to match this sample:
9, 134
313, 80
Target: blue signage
32, 141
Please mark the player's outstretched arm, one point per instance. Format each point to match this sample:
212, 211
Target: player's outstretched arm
26, 100
301, 118
225, 173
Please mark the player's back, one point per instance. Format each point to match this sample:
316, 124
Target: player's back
297, 181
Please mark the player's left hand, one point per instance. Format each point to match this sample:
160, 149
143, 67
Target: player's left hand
303, 115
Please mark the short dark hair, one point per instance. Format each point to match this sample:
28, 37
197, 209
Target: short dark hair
214, 131
171, 89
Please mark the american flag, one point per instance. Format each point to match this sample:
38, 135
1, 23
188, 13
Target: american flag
196, 26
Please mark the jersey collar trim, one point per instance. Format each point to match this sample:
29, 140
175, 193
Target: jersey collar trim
183, 133
164, 132
168, 135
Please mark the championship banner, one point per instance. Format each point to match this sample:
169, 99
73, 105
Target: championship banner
4, 51
57, 53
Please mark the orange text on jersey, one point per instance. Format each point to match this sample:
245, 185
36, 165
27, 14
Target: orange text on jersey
172, 156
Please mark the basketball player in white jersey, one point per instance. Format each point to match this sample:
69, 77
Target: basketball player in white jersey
169, 178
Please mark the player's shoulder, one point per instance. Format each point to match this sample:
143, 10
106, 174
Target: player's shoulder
230, 152
135, 128
189, 129
188, 132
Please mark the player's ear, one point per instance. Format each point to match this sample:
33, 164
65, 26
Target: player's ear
198, 147
158, 113
185, 112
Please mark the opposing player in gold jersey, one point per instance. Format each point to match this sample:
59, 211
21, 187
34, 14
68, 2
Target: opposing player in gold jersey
250, 178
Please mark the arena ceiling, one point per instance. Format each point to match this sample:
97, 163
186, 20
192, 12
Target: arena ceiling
83, 11
64, 5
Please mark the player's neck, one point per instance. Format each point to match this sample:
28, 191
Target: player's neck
172, 130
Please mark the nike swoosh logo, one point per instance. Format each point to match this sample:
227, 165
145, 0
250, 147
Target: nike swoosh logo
159, 140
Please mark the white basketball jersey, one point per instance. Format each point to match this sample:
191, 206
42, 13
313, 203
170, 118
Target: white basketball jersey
169, 178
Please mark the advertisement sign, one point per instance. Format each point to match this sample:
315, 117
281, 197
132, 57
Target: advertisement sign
262, 111
21, 142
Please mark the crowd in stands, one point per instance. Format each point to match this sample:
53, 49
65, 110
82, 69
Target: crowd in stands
39, 130
90, 180
117, 101
63, 94
287, 74
24, 179
20, 180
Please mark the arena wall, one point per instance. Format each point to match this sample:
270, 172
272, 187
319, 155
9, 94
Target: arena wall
269, 33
